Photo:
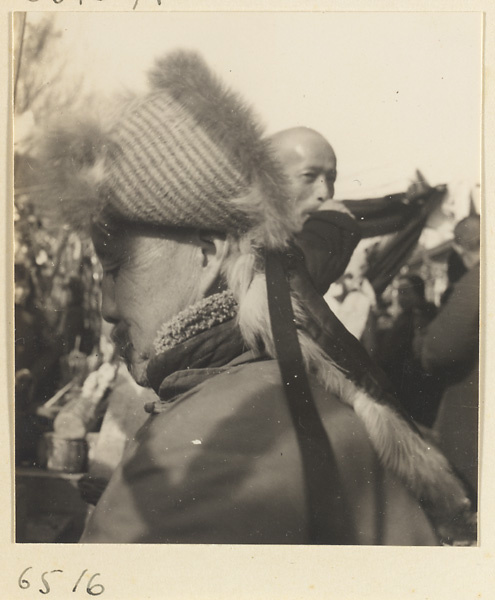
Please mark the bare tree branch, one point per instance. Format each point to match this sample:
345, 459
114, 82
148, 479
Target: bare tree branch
45, 82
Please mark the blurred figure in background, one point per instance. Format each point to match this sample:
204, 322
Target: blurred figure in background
72, 325
353, 300
455, 270
418, 391
449, 348
74, 336
36, 366
29, 324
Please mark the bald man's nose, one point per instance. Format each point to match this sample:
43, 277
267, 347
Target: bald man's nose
325, 189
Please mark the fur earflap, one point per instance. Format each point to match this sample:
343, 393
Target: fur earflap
72, 158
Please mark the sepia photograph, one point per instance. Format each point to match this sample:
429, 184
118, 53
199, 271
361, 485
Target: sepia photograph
248, 264
247, 278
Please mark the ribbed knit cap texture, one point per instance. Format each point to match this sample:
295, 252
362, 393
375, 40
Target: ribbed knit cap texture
163, 169
192, 154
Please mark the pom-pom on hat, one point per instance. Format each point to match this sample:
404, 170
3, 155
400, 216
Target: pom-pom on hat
190, 153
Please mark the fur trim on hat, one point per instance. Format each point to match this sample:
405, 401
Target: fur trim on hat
230, 123
72, 156
78, 158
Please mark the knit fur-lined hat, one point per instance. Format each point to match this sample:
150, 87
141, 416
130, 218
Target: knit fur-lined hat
189, 153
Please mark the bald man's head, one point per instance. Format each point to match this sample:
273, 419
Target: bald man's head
310, 165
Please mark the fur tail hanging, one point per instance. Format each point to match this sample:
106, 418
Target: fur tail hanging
418, 464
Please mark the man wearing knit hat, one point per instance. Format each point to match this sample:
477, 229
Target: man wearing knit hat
189, 218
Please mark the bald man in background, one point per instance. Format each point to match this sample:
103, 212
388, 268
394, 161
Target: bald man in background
329, 233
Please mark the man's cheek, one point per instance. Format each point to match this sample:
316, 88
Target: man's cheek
306, 192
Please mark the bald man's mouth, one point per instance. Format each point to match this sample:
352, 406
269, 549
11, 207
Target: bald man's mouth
309, 210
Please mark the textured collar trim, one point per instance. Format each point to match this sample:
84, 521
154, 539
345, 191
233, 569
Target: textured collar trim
202, 316
204, 337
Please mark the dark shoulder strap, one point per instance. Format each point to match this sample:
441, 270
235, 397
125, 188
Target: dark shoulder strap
329, 521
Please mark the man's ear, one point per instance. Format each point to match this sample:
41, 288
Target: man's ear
214, 250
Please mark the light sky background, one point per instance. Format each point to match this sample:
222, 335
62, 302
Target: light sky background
392, 92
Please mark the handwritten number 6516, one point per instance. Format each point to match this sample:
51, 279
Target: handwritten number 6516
93, 589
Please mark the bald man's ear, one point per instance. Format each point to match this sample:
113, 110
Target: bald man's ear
214, 250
